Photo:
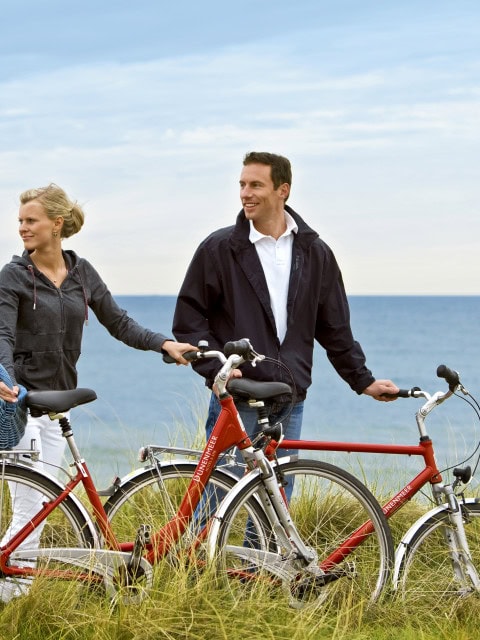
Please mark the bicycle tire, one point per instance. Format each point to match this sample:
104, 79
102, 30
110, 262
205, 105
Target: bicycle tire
426, 570
66, 526
153, 496
327, 505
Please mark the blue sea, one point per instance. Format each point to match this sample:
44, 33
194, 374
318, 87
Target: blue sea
143, 401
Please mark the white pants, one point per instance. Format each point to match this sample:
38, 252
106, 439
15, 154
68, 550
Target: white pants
27, 502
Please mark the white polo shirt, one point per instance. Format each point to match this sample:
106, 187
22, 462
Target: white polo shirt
276, 259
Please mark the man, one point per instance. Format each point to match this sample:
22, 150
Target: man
271, 279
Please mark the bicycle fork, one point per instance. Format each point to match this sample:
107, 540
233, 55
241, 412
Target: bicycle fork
295, 563
273, 503
455, 537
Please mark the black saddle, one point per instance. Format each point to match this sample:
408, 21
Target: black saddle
43, 402
257, 390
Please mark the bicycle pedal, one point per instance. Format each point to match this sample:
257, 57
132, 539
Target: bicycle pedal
350, 570
143, 534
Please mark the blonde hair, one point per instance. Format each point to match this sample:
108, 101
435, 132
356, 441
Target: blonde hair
56, 203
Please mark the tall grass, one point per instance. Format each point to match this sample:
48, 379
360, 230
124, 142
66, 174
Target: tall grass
187, 604
180, 607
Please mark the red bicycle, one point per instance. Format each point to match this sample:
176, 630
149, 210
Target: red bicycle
439, 553
115, 537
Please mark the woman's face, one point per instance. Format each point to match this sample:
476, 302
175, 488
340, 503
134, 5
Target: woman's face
36, 229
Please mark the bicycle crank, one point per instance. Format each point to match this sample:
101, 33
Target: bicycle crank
133, 574
309, 587
133, 571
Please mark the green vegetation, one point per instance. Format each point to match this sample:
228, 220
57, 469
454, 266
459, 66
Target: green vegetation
180, 607
188, 604
185, 603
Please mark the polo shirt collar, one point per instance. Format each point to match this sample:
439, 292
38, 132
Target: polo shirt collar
292, 227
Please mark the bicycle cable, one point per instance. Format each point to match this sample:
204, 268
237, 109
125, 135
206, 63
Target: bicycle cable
472, 402
283, 366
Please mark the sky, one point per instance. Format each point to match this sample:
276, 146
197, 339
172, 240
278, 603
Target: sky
142, 111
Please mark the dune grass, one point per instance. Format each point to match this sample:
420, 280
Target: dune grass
182, 607
187, 604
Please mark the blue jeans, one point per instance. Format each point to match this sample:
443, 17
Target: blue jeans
292, 424
277, 412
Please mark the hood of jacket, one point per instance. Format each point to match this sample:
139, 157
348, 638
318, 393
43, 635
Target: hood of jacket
72, 262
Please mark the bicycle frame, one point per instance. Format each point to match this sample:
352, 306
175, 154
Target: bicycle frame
227, 433
429, 474
443, 495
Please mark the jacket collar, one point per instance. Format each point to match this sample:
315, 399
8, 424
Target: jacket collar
240, 236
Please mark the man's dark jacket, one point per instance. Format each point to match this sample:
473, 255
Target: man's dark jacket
225, 297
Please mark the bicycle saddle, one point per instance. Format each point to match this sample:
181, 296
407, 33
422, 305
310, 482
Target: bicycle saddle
255, 390
42, 402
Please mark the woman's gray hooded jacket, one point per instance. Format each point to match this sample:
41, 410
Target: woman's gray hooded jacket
41, 326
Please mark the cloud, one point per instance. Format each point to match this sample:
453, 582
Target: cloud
153, 148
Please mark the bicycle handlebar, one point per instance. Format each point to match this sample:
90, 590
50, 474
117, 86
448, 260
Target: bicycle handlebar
242, 348
405, 393
402, 393
245, 351
190, 356
451, 376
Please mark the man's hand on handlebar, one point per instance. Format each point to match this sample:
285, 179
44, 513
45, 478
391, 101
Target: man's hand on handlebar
382, 390
236, 373
176, 349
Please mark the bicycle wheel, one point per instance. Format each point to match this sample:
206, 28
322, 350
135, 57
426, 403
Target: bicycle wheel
153, 496
427, 569
26, 489
327, 506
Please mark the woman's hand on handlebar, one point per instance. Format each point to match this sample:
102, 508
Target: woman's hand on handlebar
382, 390
176, 349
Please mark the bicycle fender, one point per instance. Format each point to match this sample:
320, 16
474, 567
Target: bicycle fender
161, 465
404, 543
285, 460
131, 475
211, 544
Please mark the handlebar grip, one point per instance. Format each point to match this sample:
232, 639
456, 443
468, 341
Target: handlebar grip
402, 393
451, 376
191, 356
239, 347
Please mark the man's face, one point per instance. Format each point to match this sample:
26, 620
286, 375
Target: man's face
260, 200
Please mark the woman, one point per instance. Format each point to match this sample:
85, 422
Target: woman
45, 296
